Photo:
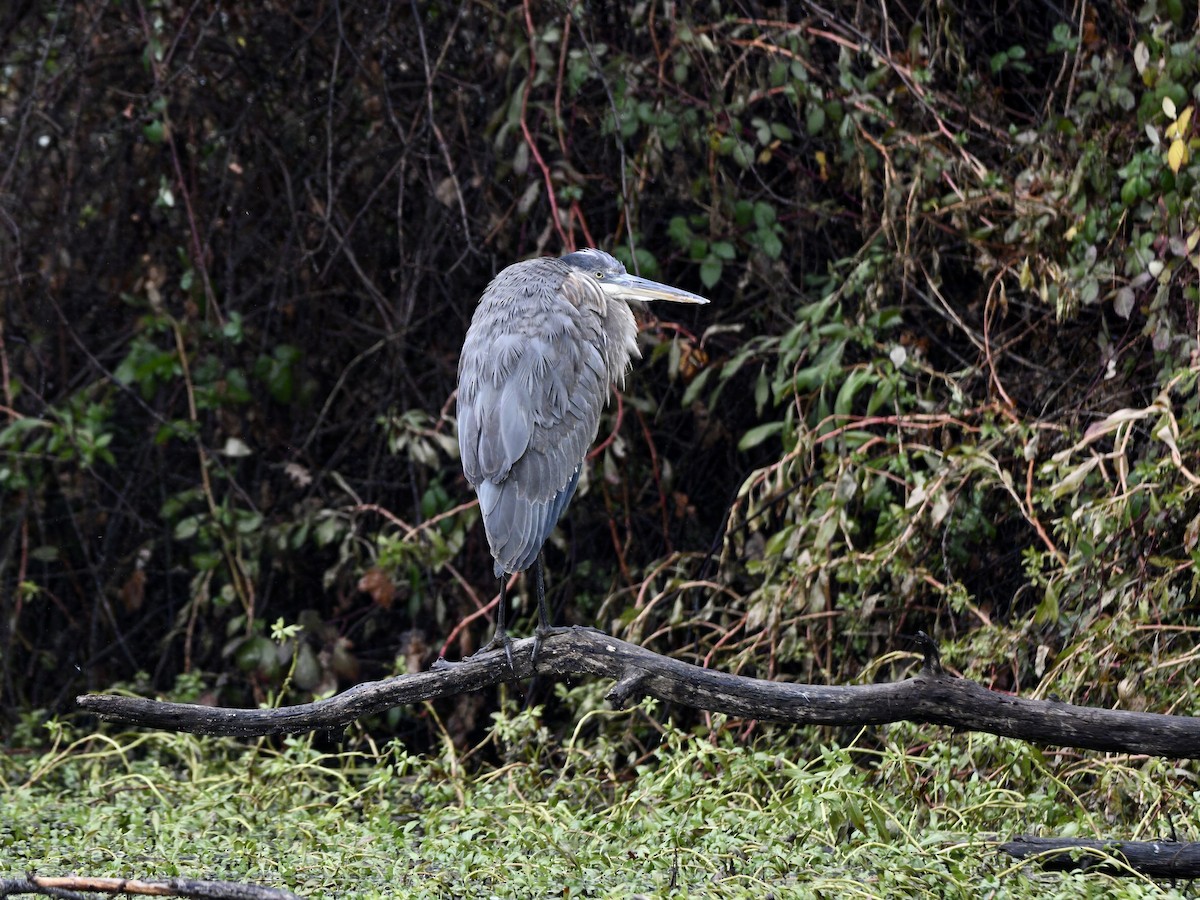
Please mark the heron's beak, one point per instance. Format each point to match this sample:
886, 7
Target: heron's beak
630, 287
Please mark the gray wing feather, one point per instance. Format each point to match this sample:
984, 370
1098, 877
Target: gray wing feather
532, 381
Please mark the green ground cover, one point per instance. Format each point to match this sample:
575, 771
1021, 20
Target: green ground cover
780, 813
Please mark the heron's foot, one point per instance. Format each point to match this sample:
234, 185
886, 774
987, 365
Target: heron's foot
499, 639
545, 631
540, 634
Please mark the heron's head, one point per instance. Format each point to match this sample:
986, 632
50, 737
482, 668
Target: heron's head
610, 276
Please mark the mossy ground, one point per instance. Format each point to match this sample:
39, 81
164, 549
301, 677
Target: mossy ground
701, 816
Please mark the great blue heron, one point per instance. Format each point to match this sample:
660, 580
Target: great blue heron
547, 341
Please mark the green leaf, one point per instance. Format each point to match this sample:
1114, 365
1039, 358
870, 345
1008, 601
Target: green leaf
778, 542
697, 385
710, 271
881, 396
276, 371
237, 388
758, 434
820, 372
187, 528
770, 243
328, 531
1129, 192
723, 249
762, 131
249, 523
1122, 306
13, 432
815, 120
762, 391
854, 382
679, 231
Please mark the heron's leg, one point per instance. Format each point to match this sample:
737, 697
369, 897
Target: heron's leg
543, 626
543, 613
501, 636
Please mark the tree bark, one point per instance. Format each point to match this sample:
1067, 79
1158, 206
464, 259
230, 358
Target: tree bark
69, 886
1156, 859
933, 696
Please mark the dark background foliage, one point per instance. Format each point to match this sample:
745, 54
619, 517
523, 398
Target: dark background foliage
240, 245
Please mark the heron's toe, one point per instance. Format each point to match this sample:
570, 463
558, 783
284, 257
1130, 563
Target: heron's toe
499, 639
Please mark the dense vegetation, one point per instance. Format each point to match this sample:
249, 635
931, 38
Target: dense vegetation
728, 818
947, 380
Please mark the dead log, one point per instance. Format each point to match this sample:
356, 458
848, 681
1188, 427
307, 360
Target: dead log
68, 887
1155, 859
933, 696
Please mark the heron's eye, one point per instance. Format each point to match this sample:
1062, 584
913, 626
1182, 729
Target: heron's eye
599, 274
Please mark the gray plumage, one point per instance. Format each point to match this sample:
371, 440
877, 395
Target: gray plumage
543, 348
547, 341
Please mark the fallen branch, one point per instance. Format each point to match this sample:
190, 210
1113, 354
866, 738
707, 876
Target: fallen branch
68, 887
933, 696
1156, 859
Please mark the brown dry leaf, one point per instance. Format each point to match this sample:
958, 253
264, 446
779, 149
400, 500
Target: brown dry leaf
376, 583
133, 591
1191, 534
692, 361
446, 191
